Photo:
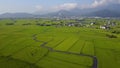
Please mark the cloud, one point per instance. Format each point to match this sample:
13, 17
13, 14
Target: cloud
66, 6
70, 6
39, 8
98, 3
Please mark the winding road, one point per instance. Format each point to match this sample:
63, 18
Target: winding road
95, 61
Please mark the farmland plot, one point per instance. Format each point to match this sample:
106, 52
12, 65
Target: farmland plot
88, 48
108, 60
55, 42
54, 59
69, 42
33, 46
77, 46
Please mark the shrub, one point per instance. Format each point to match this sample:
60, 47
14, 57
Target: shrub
9, 23
38, 24
26, 24
111, 36
116, 31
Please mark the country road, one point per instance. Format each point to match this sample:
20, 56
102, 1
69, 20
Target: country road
95, 61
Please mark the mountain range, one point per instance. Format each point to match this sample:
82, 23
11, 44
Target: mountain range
102, 11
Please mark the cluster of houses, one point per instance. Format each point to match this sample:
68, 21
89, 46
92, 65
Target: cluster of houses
77, 24
81, 23
108, 25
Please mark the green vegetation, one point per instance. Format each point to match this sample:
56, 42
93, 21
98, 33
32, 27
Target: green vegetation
46, 43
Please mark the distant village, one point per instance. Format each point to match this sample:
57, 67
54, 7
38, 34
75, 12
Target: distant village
96, 22
81, 23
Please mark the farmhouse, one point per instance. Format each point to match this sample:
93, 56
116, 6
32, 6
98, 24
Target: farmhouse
70, 24
104, 27
92, 23
111, 23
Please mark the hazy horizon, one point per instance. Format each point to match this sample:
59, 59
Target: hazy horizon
46, 6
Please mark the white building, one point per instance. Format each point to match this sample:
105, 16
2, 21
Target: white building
102, 27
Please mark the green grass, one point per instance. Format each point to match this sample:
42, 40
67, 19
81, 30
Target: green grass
18, 49
88, 48
77, 46
75, 59
64, 46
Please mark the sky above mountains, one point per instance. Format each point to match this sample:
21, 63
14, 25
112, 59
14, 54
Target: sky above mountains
46, 6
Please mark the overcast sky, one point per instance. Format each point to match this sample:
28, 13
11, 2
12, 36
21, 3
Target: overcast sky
43, 6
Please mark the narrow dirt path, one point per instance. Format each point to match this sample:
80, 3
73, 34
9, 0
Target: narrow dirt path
95, 61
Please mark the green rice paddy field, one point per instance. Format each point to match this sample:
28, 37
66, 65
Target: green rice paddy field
32, 46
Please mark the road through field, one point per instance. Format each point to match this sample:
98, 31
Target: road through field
95, 61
